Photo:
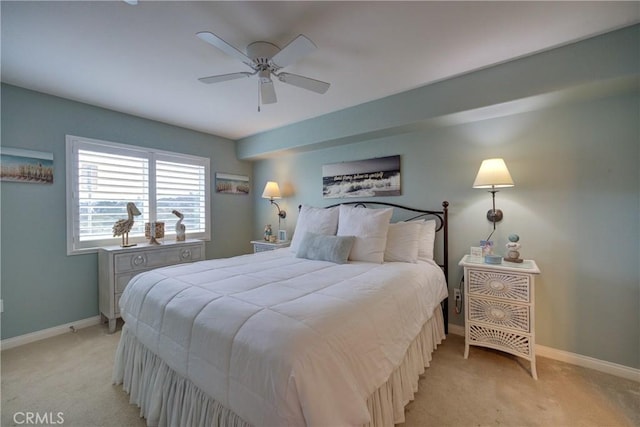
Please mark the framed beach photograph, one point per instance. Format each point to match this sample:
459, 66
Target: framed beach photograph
232, 184
362, 178
17, 165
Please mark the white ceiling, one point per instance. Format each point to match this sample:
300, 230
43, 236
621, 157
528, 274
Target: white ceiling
145, 60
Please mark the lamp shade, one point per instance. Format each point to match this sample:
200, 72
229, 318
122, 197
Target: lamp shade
271, 191
493, 173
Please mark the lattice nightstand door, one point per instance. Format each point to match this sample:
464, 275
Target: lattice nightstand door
499, 303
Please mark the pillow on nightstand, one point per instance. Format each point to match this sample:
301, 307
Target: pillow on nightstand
314, 220
370, 227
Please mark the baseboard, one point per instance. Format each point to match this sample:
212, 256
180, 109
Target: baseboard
47, 333
589, 362
574, 359
456, 329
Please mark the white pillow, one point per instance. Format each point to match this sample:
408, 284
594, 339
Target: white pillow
370, 227
314, 220
427, 240
403, 239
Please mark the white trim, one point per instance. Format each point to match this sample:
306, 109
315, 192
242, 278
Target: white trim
574, 359
456, 329
48, 333
589, 362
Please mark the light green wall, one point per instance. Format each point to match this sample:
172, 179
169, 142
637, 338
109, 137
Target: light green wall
575, 205
566, 72
42, 287
572, 146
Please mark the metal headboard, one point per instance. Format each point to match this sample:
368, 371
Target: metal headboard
442, 225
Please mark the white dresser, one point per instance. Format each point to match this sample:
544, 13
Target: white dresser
500, 307
117, 265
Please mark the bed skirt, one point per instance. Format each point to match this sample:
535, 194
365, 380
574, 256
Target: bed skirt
167, 399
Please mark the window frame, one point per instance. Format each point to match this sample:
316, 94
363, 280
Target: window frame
73, 143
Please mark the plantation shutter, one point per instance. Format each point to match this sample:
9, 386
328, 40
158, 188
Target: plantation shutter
181, 186
106, 183
102, 177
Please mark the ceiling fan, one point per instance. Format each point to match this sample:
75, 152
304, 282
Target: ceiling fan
265, 60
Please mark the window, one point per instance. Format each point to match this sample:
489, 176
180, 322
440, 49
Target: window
102, 177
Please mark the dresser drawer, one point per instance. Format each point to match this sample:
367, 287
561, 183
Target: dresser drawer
496, 284
122, 280
139, 261
493, 312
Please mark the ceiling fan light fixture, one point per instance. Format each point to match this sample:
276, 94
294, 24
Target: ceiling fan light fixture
264, 75
266, 59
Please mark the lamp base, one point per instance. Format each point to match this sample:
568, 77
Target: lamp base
494, 215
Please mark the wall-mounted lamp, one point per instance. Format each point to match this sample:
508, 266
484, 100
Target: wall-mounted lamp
493, 174
271, 192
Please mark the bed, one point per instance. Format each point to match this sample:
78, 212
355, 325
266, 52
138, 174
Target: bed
297, 336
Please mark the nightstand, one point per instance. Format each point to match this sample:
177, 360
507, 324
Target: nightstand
261, 245
499, 305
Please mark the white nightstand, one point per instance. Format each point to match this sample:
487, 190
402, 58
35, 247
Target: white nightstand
261, 245
499, 305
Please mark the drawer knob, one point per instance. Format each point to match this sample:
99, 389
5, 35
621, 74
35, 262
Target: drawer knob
496, 285
186, 254
138, 260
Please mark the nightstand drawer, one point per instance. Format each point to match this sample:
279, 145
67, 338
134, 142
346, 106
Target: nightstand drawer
259, 247
262, 246
518, 344
496, 284
512, 316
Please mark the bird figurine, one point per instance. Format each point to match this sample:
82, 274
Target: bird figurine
180, 227
123, 226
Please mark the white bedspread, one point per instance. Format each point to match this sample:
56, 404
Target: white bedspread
281, 340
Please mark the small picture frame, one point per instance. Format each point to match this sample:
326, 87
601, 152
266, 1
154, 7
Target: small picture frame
282, 235
487, 247
476, 254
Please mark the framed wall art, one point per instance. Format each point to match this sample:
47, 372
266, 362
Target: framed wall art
362, 178
232, 184
17, 165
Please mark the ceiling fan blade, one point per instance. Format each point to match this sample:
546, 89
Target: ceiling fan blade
304, 82
216, 41
224, 77
268, 92
299, 47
